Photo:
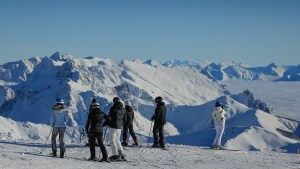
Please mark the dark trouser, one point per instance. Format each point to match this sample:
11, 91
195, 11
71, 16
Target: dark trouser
93, 135
131, 131
158, 130
61, 132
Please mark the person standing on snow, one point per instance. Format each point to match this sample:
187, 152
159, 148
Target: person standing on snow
218, 116
128, 125
94, 128
159, 118
58, 120
117, 116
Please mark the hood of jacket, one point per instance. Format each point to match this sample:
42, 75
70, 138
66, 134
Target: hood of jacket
161, 104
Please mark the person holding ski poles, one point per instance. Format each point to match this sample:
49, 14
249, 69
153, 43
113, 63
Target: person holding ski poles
159, 119
94, 128
117, 116
58, 120
218, 116
129, 125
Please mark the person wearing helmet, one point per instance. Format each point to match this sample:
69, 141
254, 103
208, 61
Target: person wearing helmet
128, 125
58, 120
117, 119
94, 128
218, 116
159, 119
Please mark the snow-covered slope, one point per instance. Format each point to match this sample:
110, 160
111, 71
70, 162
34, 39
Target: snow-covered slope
13, 131
29, 87
78, 80
242, 124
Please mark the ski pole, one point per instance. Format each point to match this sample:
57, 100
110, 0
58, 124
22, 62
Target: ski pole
81, 134
105, 134
48, 136
165, 136
149, 133
47, 139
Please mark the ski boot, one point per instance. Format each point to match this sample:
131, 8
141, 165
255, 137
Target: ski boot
124, 143
155, 146
134, 138
62, 154
113, 158
104, 159
135, 144
54, 153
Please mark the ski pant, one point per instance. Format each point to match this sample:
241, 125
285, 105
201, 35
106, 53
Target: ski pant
61, 132
131, 131
114, 141
158, 130
219, 132
93, 135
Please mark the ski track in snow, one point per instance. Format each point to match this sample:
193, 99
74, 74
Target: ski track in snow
28, 156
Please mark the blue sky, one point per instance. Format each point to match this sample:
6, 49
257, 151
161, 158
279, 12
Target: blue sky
255, 32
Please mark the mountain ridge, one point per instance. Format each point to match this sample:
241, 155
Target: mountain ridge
30, 90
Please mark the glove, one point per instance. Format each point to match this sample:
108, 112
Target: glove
152, 118
105, 124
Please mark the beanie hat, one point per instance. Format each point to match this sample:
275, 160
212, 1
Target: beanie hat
218, 104
60, 101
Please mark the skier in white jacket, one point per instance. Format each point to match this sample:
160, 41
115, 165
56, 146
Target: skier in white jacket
218, 116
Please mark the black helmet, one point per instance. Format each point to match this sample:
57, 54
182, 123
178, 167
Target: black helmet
158, 99
116, 99
94, 100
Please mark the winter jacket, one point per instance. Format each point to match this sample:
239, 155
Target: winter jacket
117, 116
218, 114
129, 115
96, 119
160, 114
59, 116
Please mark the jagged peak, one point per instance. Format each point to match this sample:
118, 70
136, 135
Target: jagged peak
137, 61
272, 65
57, 56
152, 62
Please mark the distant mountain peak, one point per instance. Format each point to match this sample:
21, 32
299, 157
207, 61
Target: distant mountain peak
57, 56
152, 62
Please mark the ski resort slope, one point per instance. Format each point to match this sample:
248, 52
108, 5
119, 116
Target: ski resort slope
29, 156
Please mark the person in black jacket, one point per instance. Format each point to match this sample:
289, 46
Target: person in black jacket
94, 128
117, 116
159, 118
128, 125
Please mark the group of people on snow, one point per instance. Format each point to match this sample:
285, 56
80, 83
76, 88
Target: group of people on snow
119, 117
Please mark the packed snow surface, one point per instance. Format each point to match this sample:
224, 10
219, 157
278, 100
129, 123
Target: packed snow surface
29, 156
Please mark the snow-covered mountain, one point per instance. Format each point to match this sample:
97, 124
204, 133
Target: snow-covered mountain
292, 74
190, 89
232, 70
